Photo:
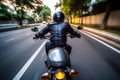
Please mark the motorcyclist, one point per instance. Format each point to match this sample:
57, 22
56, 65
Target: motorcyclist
58, 30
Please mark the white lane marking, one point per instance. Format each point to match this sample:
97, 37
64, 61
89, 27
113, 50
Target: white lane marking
25, 67
10, 39
116, 50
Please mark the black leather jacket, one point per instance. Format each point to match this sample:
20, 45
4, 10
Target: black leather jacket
58, 31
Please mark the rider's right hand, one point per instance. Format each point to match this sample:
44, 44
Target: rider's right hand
38, 36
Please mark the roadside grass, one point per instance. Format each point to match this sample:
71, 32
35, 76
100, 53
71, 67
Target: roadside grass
113, 31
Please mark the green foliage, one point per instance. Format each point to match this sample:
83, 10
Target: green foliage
73, 7
45, 12
114, 4
99, 7
4, 14
22, 5
38, 9
31, 4
23, 14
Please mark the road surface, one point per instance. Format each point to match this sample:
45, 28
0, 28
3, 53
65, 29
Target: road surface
22, 58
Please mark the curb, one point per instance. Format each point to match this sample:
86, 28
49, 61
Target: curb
109, 38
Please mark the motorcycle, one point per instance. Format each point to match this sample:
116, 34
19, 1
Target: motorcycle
58, 63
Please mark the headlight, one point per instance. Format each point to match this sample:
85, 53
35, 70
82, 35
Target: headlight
60, 75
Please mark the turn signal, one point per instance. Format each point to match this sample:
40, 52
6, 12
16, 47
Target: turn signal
46, 76
60, 75
73, 72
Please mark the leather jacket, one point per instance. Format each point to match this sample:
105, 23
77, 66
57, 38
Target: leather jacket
58, 31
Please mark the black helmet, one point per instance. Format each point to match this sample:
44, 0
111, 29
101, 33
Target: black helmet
58, 17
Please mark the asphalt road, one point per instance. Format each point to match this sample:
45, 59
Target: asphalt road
22, 58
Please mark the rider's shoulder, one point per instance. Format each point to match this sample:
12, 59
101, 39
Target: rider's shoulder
56, 23
66, 23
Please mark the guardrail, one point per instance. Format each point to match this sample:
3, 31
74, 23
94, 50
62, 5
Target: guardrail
7, 27
3, 26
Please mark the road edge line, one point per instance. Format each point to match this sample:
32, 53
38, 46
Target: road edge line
116, 50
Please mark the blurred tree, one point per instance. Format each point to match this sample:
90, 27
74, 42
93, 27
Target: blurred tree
72, 7
38, 9
21, 6
66, 7
105, 6
82, 8
99, 7
107, 14
102, 6
4, 14
26, 4
45, 13
111, 5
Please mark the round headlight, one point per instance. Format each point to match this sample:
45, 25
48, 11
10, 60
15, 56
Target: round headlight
60, 75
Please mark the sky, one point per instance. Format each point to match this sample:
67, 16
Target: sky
51, 4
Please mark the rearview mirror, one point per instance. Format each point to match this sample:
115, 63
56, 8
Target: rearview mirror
80, 27
34, 29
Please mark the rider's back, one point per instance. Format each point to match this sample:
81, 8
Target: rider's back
58, 31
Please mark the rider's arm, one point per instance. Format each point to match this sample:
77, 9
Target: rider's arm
72, 31
44, 31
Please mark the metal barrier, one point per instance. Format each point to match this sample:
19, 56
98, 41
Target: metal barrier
4, 26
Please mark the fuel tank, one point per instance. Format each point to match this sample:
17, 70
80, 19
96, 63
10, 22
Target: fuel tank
58, 56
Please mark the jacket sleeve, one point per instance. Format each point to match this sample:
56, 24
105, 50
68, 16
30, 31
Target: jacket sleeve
72, 31
44, 31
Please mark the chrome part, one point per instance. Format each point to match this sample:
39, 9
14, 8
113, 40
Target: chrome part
58, 54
